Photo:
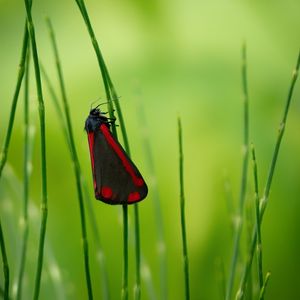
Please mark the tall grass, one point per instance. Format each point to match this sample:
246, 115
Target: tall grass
111, 95
4, 152
161, 244
26, 172
91, 214
257, 222
265, 198
182, 215
245, 153
44, 204
5, 264
75, 160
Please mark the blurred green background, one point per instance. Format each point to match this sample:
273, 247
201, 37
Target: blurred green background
171, 57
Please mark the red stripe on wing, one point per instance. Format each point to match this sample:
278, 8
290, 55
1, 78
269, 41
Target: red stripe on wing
91, 139
127, 165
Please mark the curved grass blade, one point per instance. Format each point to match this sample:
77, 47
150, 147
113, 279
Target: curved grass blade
44, 204
74, 157
161, 244
265, 198
182, 215
4, 152
5, 264
26, 172
259, 243
112, 96
264, 286
239, 223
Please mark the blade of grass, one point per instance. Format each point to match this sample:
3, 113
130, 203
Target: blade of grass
259, 243
21, 71
265, 198
182, 215
92, 217
5, 264
75, 163
44, 204
26, 172
239, 223
112, 96
249, 226
161, 245
263, 288
100, 253
4, 152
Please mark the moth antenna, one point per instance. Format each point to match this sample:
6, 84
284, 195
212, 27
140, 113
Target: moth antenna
111, 100
94, 103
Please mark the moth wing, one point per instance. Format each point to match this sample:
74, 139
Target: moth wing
116, 179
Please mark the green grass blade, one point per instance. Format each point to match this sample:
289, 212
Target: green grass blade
124, 290
21, 71
100, 254
263, 288
112, 96
101, 63
161, 244
265, 198
238, 232
88, 200
4, 151
182, 215
44, 204
26, 172
5, 264
75, 163
259, 243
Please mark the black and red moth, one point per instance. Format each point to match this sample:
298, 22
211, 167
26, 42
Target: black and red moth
116, 179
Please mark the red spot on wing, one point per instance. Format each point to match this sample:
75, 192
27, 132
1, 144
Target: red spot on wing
133, 197
106, 192
138, 181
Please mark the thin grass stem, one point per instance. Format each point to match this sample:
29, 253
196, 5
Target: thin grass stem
249, 227
263, 288
112, 96
4, 151
259, 243
26, 172
92, 217
161, 244
5, 264
239, 223
265, 198
101, 63
100, 253
182, 215
124, 291
75, 163
44, 204
21, 71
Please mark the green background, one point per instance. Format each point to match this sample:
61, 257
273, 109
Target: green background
170, 58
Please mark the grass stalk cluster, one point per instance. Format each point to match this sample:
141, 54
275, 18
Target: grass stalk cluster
75, 160
264, 201
44, 203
